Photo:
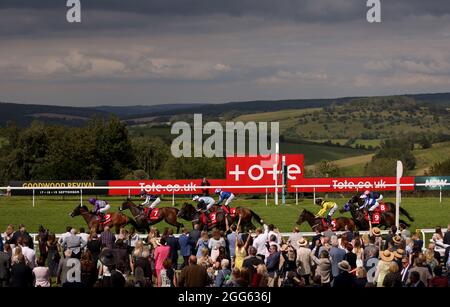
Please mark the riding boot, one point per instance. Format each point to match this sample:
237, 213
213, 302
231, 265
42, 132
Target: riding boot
208, 220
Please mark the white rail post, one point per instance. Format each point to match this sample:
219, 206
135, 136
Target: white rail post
129, 193
440, 194
314, 195
296, 196
81, 196
397, 193
173, 198
266, 197
33, 198
277, 150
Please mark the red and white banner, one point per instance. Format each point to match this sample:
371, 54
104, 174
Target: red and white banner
259, 170
352, 184
162, 187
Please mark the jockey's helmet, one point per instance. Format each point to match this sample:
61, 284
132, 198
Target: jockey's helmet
319, 201
196, 197
217, 191
92, 201
366, 192
143, 193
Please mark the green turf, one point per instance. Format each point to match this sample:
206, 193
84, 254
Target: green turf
53, 212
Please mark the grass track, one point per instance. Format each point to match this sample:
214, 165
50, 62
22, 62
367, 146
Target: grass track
53, 212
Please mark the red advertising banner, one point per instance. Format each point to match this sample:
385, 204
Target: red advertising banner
352, 184
259, 170
162, 187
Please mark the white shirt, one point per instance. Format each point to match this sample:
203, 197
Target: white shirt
84, 236
260, 242
276, 234
63, 236
30, 254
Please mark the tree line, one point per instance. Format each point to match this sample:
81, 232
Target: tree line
100, 150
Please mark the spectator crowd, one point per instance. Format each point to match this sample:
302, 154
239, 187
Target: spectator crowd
231, 258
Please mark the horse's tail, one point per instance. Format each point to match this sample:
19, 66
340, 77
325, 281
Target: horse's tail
406, 213
256, 217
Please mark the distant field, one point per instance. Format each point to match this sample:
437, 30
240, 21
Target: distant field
354, 165
275, 116
53, 213
315, 152
373, 143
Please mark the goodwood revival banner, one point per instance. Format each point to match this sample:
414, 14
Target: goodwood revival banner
41, 185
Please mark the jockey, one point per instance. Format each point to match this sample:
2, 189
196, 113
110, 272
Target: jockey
204, 204
371, 201
325, 205
151, 201
100, 207
228, 196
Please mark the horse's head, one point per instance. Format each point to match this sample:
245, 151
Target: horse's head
186, 211
78, 210
125, 205
302, 217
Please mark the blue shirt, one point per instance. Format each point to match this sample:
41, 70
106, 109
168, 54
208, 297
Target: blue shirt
223, 196
232, 243
185, 245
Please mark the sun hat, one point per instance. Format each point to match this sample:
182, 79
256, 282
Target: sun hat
344, 266
397, 239
399, 253
302, 242
376, 231
386, 255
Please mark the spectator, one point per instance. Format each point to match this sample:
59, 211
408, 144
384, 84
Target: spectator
108, 259
272, 263
361, 277
447, 236
420, 267
304, 260
205, 183
88, 269
94, 246
174, 245
294, 238
438, 235
344, 279
74, 243
22, 233
41, 274
288, 264
21, 274
383, 267
193, 275
232, 237
252, 262
274, 232
68, 265
260, 242
204, 259
390, 236
122, 259
337, 255
398, 256
261, 278
202, 243
64, 235
42, 239
53, 255
185, 243
167, 274
393, 279
359, 252
224, 274
323, 268
107, 238
162, 252
350, 256
438, 281
404, 232
414, 280
132, 239
241, 249
8, 235
214, 243
397, 243
82, 234
432, 258
30, 254
140, 260
5, 266
195, 235
315, 239
404, 272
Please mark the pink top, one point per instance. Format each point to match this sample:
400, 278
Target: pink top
161, 254
42, 276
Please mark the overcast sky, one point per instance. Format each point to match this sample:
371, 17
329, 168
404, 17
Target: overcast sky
183, 51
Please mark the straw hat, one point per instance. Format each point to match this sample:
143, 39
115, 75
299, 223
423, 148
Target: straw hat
302, 242
397, 239
344, 266
399, 253
386, 255
376, 231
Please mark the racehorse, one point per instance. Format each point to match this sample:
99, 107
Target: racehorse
386, 219
318, 222
115, 219
168, 214
190, 213
389, 207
